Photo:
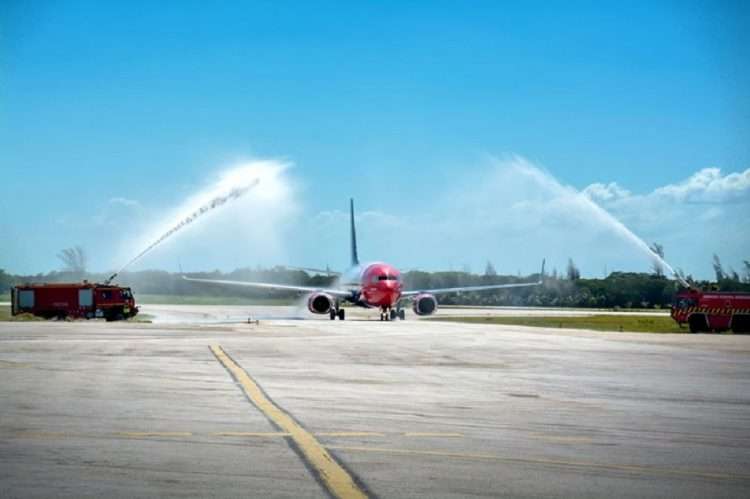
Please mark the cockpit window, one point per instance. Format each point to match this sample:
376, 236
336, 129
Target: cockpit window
384, 277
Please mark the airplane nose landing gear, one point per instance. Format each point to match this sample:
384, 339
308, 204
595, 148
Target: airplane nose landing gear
390, 314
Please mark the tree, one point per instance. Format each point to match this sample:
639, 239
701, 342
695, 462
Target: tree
746, 263
74, 259
6, 281
573, 273
718, 269
489, 270
657, 265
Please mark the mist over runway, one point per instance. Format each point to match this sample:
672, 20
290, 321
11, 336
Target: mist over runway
406, 409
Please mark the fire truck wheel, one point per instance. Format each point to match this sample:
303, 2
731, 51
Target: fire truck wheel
698, 323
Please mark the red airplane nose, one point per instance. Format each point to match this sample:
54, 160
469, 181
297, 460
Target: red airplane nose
384, 294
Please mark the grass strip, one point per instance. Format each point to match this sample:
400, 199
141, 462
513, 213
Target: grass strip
616, 323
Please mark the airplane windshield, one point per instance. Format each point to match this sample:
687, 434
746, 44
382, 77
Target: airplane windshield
388, 278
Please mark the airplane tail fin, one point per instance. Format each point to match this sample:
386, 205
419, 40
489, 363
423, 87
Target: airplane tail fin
355, 258
541, 274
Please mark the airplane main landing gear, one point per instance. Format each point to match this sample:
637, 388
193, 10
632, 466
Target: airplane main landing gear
337, 312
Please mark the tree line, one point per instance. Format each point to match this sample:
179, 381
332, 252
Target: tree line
567, 289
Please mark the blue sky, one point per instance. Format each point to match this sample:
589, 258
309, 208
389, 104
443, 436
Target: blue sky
392, 104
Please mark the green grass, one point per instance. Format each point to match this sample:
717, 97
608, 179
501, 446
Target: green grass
664, 310
625, 323
207, 300
5, 297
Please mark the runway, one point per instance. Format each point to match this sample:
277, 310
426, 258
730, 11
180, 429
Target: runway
180, 314
312, 408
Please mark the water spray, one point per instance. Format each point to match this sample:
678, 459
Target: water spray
602, 215
630, 235
214, 203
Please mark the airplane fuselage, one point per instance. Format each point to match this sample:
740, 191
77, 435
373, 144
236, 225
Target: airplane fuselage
375, 284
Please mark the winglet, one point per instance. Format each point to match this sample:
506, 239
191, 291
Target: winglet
355, 258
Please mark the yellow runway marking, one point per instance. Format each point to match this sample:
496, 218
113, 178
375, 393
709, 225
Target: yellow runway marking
646, 470
565, 439
9, 364
333, 476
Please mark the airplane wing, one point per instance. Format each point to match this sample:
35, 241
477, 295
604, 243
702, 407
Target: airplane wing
470, 288
438, 291
328, 272
268, 285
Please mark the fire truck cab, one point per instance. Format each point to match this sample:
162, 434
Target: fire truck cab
712, 311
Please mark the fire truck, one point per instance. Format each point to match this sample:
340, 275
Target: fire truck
712, 311
79, 300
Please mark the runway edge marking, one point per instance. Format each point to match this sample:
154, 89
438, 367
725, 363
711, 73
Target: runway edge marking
337, 480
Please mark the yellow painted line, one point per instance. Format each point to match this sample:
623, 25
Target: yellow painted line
251, 434
333, 476
432, 434
646, 470
141, 434
563, 438
9, 364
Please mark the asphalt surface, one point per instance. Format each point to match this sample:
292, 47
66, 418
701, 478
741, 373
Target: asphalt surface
404, 409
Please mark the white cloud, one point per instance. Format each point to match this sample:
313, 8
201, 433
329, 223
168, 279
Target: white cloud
606, 192
705, 186
709, 185
694, 218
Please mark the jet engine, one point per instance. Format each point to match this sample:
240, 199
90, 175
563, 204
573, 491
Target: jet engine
320, 303
424, 304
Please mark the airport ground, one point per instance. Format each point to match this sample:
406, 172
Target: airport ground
202, 403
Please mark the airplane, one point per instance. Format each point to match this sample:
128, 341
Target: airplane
368, 285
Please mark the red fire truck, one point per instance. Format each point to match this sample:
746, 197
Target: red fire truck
76, 300
712, 311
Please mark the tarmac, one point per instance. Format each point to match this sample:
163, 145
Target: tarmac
203, 403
